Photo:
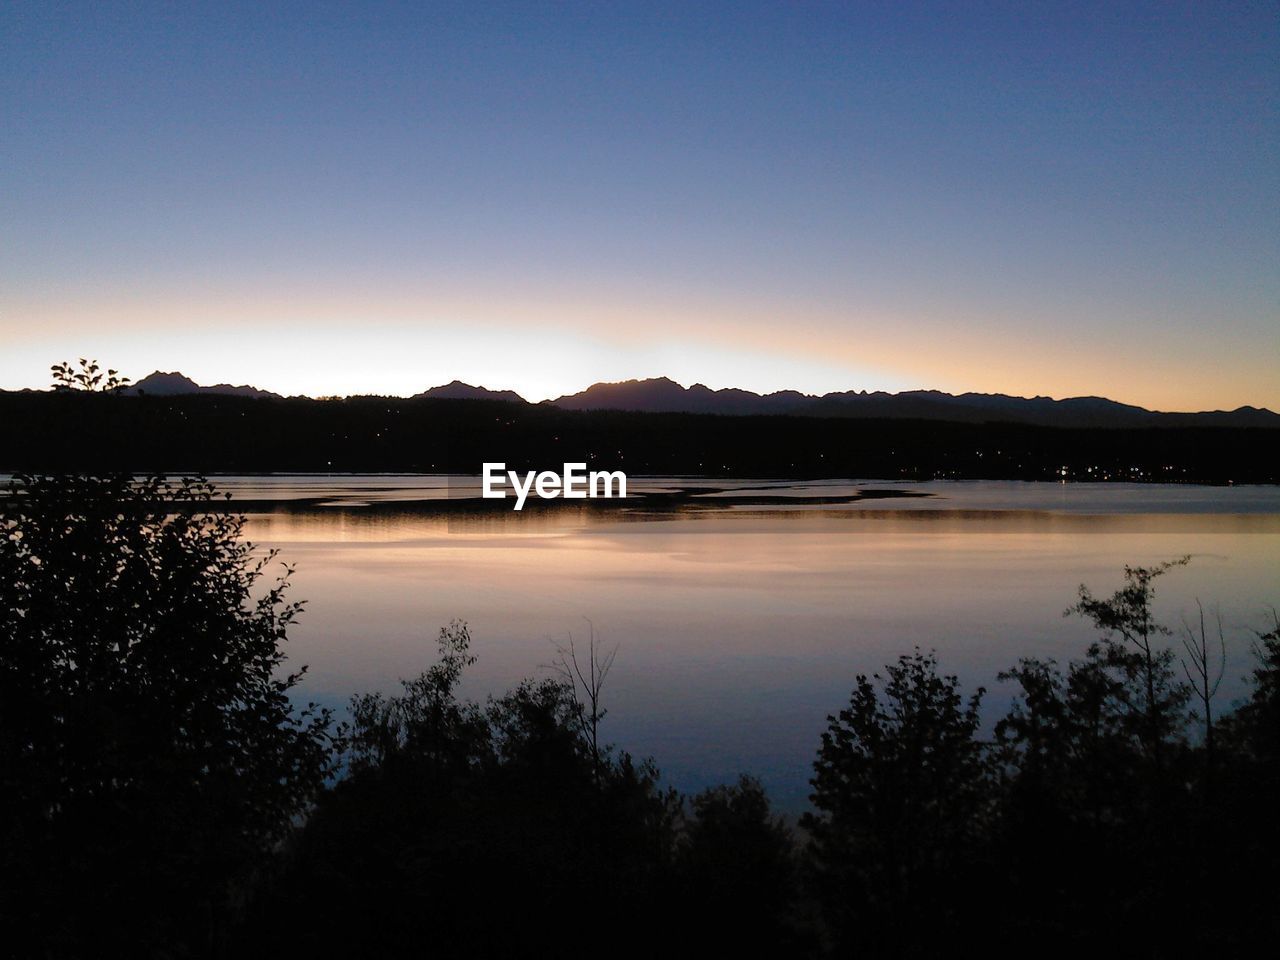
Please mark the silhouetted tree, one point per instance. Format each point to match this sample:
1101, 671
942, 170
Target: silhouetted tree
1131, 650
586, 683
426, 728
1111, 823
900, 787
498, 829
737, 866
1256, 724
1074, 805
150, 757
1204, 671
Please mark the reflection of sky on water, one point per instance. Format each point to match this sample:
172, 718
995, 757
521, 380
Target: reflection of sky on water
740, 630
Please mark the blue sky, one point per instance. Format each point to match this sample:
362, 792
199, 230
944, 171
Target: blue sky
337, 198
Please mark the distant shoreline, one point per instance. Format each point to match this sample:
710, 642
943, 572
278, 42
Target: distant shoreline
211, 434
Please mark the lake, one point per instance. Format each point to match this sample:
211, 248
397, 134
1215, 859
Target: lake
742, 610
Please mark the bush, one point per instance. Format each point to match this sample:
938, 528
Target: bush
150, 757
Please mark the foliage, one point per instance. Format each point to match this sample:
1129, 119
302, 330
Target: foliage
88, 377
1151, 697
426, 725
1109, 816
444, 797
149, 753
899, 787
1256, 725
736, 864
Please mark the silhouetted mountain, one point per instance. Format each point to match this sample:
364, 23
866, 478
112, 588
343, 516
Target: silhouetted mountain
662, 395
457, 390
159, 384
202, 432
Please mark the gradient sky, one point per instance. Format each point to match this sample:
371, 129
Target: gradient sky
337, 198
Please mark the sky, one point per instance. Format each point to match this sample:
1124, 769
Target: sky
339, 198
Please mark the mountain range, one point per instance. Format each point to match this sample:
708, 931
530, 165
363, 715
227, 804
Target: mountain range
663, 395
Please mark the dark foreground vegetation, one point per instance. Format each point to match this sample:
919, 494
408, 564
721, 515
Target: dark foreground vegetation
80, 430
162, 795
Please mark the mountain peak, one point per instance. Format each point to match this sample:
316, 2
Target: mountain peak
457, 390
175, 384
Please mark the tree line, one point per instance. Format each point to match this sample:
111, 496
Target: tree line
81, 430
163, 794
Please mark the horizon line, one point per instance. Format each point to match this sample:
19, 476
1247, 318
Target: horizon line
53, 388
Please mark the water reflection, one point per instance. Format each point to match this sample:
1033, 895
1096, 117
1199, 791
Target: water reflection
740, 628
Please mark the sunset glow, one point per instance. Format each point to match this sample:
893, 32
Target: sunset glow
380, 199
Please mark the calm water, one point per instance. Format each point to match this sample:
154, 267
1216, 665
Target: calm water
742, 610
